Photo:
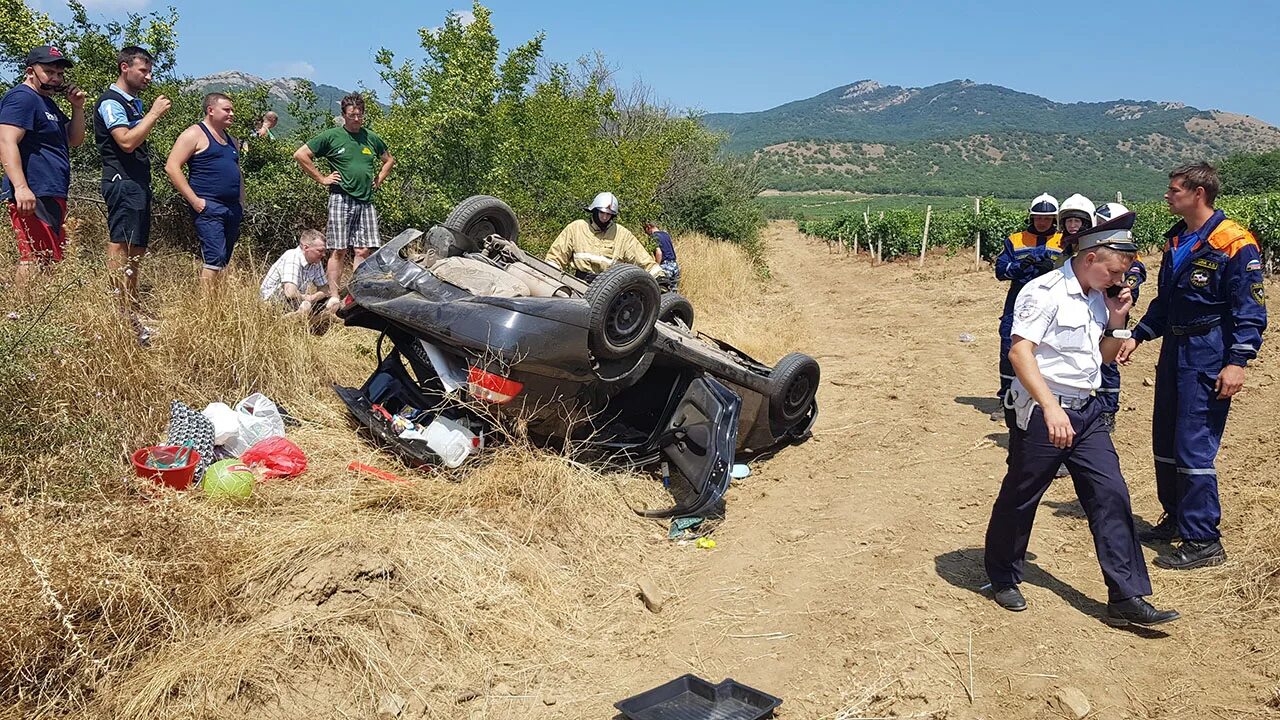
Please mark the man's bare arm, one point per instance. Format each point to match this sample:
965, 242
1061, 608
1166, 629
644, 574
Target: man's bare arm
183, 148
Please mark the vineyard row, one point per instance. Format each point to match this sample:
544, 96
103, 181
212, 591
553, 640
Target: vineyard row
893, 233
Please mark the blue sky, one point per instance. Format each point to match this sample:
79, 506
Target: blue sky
753, 55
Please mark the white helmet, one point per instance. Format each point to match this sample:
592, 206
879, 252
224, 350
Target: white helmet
1077, 206
1109, 211
604, 201
1045, 204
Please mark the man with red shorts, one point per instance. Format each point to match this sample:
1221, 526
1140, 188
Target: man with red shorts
35, 141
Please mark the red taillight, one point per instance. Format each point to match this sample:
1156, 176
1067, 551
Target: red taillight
494, 388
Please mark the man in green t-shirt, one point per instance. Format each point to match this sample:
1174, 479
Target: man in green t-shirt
353, 152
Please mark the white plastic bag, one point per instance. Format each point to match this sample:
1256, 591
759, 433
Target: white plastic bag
259, 419
226, 422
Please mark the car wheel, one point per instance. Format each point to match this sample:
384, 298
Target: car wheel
675, 308
624, 307
480, 216
793, 383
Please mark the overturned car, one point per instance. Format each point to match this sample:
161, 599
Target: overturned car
612, 365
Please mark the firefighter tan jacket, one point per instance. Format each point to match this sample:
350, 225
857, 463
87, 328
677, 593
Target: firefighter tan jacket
579, 248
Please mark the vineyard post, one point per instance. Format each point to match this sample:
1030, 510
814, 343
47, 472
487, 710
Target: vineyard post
924, 239
1119, 197
880, 245
977, 236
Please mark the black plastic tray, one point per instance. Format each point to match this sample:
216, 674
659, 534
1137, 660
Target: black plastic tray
689, 697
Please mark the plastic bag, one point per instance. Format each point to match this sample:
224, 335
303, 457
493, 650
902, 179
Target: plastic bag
259, 419
276, 457
226, 423
189, 427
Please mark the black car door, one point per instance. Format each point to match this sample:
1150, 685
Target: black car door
698, 443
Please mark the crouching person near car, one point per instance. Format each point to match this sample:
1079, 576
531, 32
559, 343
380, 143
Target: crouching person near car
1065, 327
296, 282
588, 248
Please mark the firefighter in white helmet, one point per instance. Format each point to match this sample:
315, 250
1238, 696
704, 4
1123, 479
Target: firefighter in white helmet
1109, 391
1074, 215
1027, 254
589, 247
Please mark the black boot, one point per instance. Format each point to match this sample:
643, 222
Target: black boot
1165, 531
1190, 555
1009, 597
1137, 611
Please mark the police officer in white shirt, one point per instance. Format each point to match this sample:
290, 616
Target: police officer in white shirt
1066, 324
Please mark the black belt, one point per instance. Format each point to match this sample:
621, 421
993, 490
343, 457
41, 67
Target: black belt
1192, 330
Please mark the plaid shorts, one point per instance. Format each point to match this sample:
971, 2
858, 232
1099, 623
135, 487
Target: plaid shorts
352, 223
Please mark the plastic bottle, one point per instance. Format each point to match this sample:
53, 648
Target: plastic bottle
452, 441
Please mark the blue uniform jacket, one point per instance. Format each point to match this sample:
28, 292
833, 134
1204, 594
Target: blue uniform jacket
1216, 296
1025, 257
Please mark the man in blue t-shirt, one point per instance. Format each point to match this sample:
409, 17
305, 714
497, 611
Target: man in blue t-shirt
35, 137
665, 254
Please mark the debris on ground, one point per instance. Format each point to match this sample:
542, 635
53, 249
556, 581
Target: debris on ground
650, 594
390, 707
1070, 702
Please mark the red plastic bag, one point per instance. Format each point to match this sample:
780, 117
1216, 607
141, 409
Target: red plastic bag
275, 457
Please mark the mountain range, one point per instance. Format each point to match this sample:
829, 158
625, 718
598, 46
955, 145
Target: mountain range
966, 138
280, 91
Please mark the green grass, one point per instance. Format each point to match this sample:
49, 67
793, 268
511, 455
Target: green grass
828, 205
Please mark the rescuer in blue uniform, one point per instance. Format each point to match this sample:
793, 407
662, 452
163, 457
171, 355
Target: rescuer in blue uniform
1109, 393
1027, 254
1066, 325
1211, 311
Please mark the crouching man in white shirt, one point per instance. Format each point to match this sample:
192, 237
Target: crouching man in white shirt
296, 282
1067, 324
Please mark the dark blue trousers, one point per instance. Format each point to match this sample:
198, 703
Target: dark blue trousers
1186, 429
1095, 470
1109, 392
1006, 341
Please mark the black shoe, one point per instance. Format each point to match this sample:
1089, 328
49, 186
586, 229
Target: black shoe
1190, 555
1009, 597
1136, 611
1108, 421
1165, 531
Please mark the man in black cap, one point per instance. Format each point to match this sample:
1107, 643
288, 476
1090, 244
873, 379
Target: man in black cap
35, 141
1066, 324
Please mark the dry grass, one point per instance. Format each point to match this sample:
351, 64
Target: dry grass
733, 303
319, 595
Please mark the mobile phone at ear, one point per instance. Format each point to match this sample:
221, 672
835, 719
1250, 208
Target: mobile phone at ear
1114, 291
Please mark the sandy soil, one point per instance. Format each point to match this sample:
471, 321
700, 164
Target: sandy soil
847, 574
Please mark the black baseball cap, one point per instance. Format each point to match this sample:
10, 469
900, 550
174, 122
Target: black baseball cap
47, 55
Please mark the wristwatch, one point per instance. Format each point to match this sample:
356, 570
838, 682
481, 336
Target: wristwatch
1118, 333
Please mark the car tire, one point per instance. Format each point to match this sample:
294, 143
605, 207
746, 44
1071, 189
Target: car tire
478, 217
793, 384
675, 307
623, 302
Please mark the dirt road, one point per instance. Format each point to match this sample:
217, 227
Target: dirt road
847, 574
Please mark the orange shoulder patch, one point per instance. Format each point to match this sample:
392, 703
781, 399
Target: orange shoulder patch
1230, 238
1022, 240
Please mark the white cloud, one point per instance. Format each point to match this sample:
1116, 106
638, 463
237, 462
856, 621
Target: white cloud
294, 68
115, 4
466, 17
